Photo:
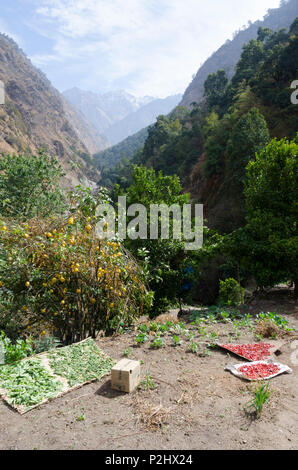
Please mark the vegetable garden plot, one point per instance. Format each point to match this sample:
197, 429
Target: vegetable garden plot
31, 382
252, 352
258, 370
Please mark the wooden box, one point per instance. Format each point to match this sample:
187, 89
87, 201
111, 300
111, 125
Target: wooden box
126, 375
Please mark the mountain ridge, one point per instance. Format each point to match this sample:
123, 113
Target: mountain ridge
227, 56
35, 115
118, 114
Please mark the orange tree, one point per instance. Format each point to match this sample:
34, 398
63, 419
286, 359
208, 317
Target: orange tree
58, 277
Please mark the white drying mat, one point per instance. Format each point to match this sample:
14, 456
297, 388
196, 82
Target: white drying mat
234, 368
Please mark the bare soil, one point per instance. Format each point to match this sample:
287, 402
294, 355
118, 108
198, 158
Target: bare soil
196, 403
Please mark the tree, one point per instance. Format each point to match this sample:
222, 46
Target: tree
29, 186
164, 260
249, 136
268, 245
252, 55
215, 88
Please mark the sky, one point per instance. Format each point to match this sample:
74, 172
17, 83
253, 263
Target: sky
146, 47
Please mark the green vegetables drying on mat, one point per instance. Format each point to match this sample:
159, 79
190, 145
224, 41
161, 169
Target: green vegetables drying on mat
80, 363
28, 383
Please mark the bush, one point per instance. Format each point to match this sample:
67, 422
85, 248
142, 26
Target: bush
167, 264
17, 351
29, 186
230, 293
58, 278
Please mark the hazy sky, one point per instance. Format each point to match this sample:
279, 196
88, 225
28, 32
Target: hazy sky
147, 47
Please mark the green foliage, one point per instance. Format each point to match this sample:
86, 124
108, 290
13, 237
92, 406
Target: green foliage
176, 340
216, 137
58, 278
250, 135
157, 343
230, 293
278, 320
148, 383
17, 351
127, 352
262, 393
164, 261
215, 88
29, 186
268, 245
45, 343
141, 338
125, 149
193, 347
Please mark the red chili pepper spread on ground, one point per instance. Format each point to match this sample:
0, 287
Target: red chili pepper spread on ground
252, 352
259, 371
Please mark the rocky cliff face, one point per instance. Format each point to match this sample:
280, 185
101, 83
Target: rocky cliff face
36, 115
228, 55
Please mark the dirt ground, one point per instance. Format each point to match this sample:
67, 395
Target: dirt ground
197, 402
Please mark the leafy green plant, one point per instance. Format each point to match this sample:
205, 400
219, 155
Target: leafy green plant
143, 328
230, 293
262, 394
154, 326
141, 338
176, 341
190, 336
127, 352
15, 352
224, 316
162, 329
148, 383
46, 343
157, 343
30, 186
81, 418
213, 335
278, 320
193, 347
202, 331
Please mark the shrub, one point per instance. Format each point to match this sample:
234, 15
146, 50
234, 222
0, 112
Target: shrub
29, 186
58, 278
17, 351
230, 292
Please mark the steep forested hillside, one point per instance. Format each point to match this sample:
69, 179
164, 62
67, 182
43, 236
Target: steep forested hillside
228, 55
210, 146
124, 150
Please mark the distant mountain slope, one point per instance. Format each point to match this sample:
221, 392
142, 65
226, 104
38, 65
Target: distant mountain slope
228, 55
88, 134
104, 110
35, 115
124, 150
141, 118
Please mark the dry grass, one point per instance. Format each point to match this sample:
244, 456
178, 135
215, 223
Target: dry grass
151, 415
267, 329
165, 317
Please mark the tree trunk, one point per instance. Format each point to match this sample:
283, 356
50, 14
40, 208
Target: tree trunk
296, 288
